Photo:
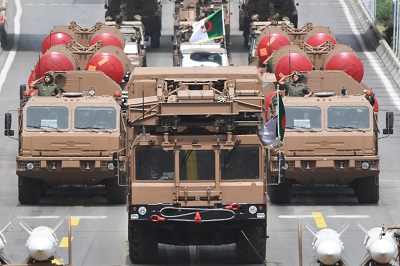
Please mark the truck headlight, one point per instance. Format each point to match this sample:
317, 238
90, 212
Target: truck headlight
252, 209
30, 166
142, 210
110, 166
365, 165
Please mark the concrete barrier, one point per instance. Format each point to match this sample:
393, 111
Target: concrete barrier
382, 48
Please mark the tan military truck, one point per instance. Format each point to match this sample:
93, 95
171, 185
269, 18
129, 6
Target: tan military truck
193, 160
331, 138
150, 12
135, 41
69, 140
266, 10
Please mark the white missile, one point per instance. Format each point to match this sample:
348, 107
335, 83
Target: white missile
3, 257
328, 245
42, 242
381, 248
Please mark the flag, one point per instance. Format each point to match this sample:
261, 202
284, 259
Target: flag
209, 28
281, 118
272, 133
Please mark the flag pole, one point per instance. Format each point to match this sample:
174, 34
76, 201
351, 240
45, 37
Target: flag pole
278, 136
223, 26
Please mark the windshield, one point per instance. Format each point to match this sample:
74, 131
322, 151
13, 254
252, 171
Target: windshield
197, 165
203, 59
303, 117
153, 163
348, 117
240, 163
47, 117
92, 117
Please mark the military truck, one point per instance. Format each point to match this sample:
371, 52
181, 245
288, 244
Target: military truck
149, 11
330, 138
135, 41
193, 160
266, 10
69, 140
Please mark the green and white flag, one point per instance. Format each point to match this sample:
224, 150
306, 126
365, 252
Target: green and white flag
209, 28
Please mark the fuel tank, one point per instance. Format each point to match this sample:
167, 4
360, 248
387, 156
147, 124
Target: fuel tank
288, 59
342, 57
271, 39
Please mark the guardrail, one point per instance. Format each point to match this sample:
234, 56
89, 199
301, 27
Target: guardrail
384, 51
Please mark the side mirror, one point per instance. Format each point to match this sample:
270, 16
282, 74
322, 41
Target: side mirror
7, 125
389, 123
116, 164
22, 89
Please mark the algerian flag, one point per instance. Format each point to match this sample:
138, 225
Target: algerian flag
209, 28
272, 133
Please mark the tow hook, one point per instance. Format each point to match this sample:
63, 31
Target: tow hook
157, 218
233, 207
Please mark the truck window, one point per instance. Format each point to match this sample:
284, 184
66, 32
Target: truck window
93, 117
197, 165
153, 163
303, 117
348, 117
240, 163
47, 117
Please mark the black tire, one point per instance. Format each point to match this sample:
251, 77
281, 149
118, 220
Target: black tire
116, 194
280, 194
246, 251
143, 246
155, 40
246, 42
367, 189
29, 190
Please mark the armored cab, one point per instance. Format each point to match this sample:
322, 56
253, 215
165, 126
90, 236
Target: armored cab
150, 13
331, 138
266, 10
69, 140
193, 162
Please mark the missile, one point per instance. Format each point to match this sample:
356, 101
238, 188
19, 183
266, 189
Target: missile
42, 242
3, 257
381, 248
327, 245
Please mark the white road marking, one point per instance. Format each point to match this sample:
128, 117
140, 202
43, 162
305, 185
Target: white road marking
385, 82
13, 52
58, 217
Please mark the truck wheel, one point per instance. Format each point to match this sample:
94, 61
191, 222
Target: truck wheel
155, 39
143, 246
280, 194
246, 251
116, 194
29, 190
367, 189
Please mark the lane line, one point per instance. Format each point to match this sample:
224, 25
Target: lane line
319, 219
13, 52
64, 242
386, 84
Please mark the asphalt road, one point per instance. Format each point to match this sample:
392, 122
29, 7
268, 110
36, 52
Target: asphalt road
100, 230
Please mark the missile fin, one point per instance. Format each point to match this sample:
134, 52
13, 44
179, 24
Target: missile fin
5, 228
363, 228
343, 260
365, 260
312, 231
343, 228
26, 227
58, 225
58, 257
313, 261
5, 259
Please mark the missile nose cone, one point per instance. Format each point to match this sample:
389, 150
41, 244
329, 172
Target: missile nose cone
41, 248
329, 252
382, 251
